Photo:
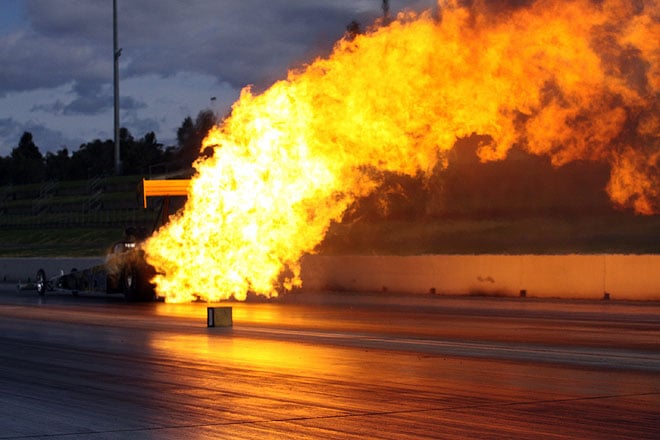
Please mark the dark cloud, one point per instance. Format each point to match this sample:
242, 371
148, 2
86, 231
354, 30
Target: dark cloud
88, 105
46, 139
89, 99
241, 42
140, 126
248, 42
76, 20
58, 64
66, 41
56, 107
130, 103
35, 61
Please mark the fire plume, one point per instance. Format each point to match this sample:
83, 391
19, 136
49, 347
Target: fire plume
574, 80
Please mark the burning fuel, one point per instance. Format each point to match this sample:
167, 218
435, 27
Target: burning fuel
574, 80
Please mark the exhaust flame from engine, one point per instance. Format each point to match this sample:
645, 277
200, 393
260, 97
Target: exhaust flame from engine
574, 80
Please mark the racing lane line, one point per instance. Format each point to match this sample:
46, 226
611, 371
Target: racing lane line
583, 356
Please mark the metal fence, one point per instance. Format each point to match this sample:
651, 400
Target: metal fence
82, 218
91, 203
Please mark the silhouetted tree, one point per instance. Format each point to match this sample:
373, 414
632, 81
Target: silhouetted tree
96, 158
5, 171
27, 163
127, 150
93, 159
139, 155
190, 136
185, 132
125, 137
58, 165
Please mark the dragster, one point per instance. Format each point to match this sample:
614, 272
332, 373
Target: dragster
125, 270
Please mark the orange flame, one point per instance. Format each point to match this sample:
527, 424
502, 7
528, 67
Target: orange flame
569, 79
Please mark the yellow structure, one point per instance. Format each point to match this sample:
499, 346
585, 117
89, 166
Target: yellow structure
160, 188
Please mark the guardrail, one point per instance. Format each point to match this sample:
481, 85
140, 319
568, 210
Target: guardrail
86, 218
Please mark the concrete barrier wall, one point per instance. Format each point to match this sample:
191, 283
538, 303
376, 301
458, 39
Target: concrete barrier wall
25, 269
635, 277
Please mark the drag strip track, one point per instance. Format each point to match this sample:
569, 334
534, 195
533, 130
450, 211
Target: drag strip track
328, 366
583, 356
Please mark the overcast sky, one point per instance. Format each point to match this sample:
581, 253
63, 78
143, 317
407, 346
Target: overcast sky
57, 67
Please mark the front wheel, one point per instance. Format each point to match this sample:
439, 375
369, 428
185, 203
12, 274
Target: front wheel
41, 282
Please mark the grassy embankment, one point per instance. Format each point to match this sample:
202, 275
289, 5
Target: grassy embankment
617, 233
86, 218
81, 218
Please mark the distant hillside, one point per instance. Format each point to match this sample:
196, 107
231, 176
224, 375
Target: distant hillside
76, 217
519, 205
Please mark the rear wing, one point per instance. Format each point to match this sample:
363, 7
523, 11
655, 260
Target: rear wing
160, 188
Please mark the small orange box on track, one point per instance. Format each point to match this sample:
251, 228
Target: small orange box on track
219, 316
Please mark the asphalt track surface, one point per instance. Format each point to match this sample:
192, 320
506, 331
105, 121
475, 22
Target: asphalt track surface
328, 366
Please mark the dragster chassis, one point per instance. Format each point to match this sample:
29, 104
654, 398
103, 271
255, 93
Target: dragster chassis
125, 271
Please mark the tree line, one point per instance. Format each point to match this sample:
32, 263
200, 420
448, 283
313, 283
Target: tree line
522, 185
26, 164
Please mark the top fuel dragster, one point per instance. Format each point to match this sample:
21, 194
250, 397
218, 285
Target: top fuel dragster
125, 269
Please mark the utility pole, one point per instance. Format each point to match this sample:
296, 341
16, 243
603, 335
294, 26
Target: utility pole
386, 12
116, 54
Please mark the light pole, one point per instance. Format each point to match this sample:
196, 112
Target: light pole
116, 54
386, 12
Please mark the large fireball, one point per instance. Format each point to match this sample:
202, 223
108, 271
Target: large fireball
569, 79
